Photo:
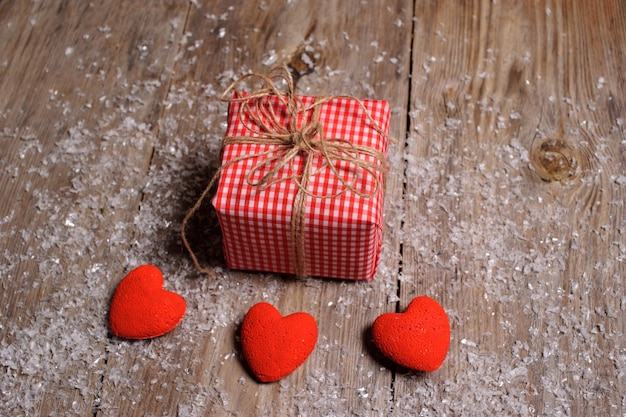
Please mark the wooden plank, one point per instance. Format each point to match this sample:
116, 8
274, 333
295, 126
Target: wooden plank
360, 49
514, 215
81, 85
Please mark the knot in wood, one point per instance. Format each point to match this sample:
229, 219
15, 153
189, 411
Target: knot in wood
554, 160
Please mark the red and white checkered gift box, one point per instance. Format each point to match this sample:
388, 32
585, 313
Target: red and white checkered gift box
342, 230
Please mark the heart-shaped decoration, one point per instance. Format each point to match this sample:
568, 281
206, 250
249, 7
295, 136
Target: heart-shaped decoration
418, 338
274, 346
141, 308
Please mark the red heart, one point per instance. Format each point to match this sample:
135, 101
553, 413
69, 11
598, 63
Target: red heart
141, 308
418, 338
274, 346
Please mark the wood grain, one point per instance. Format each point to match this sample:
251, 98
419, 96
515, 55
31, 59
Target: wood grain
515, 147
257, 38
79, 104
505, 202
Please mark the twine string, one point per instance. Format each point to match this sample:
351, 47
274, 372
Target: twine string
301, 137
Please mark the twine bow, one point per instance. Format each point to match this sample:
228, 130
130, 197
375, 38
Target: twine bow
303, 136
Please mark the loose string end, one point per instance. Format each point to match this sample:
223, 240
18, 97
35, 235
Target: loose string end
183, 227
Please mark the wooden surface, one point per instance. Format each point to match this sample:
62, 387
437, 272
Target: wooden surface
505, 202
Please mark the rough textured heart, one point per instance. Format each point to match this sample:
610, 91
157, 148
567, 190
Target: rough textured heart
274, 346
418, 338
141, 308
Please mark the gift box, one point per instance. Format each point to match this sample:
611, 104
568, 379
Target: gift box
301, 186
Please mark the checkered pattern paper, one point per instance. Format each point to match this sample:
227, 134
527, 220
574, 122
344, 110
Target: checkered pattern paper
342, 235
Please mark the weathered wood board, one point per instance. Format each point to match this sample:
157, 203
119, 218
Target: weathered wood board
514, 205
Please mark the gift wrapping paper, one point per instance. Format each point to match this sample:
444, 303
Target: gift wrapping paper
342, 230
